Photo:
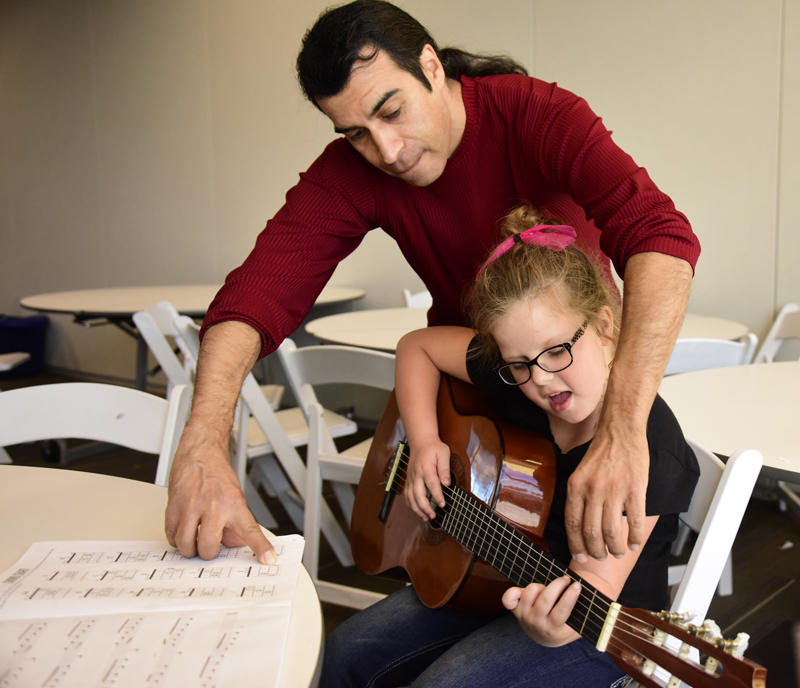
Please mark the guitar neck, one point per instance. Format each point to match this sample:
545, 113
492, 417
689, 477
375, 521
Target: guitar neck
499, 544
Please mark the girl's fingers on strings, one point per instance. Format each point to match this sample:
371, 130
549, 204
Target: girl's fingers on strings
565, 604
434, 484
511, 598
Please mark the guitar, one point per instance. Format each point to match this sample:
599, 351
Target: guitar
491, 531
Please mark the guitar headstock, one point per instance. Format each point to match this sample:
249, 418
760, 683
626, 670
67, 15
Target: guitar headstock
642, 642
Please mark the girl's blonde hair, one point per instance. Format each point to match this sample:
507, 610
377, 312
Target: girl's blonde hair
528, 270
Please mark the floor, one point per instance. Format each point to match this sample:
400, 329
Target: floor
765, 603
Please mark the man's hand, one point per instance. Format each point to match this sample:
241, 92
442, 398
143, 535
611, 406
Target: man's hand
206, 506
612, 477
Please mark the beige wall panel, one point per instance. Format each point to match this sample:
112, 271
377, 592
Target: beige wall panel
264, 133
691, 91
501, 26
154, 133
51, 237
788, 254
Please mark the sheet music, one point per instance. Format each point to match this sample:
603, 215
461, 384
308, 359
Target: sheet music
103, 613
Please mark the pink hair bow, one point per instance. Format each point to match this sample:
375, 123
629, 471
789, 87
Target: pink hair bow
554, 237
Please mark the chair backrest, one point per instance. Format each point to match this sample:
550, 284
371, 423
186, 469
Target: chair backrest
156, 324
701, 354
318, 365
104, 413
786, 326
422, 299
718, 505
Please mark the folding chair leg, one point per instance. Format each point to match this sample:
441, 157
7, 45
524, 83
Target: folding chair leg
337, 538
266, 472
725, 585
680, 541
346, 498
260, 511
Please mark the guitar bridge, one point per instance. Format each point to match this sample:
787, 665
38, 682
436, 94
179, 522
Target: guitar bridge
391, 478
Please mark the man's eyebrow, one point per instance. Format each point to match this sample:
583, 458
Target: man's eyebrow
382, 100
373, 112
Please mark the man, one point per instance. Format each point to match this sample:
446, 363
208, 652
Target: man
438, 146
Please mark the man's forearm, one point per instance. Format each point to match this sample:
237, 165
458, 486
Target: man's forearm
656, 293
227, 355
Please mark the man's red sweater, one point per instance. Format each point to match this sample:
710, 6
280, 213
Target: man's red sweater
525, 141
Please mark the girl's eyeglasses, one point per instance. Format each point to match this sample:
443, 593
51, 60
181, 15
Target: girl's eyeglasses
552, 360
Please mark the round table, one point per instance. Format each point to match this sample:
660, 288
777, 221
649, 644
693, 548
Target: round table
382, 328
189, 299
742, 407
41, 504
118, 304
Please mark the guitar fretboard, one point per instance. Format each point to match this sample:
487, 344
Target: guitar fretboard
486, 534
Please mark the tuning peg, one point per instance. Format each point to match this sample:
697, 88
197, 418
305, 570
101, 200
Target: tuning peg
681, 619
738, 646
709, 630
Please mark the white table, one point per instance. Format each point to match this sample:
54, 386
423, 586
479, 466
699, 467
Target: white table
742, 407
382, 328
117, 306
189, 299
40, 504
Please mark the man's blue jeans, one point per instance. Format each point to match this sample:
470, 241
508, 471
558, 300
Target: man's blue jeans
399, 641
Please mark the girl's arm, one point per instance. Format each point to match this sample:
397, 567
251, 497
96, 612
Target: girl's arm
421, 356
543, 611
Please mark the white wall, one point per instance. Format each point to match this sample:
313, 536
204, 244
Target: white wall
147, 141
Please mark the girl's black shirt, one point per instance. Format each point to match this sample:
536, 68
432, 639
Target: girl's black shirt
673, 475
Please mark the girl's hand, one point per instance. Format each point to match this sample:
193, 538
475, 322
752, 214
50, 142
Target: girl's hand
543, 611
428, 469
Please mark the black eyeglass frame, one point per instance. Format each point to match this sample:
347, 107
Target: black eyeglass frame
535, 362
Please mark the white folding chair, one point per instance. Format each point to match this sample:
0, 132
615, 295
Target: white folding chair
104, 413
422, 299
700, 354
278, 433
715, 513
320, 365
155, 325
786, 326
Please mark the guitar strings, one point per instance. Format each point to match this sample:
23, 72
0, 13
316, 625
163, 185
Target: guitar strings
467, 501
489, 527
623, 626
531, 570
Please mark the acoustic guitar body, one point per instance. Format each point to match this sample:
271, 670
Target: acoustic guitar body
508, 469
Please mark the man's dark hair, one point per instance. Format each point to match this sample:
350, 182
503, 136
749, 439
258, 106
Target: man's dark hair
340, 35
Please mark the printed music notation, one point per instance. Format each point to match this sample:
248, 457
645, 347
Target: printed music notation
139, 614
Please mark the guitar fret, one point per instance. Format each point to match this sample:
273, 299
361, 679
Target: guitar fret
589, 608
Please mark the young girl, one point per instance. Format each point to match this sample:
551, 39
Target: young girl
543, 343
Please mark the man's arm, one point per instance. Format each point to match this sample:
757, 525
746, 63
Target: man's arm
206, 505
612, 477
